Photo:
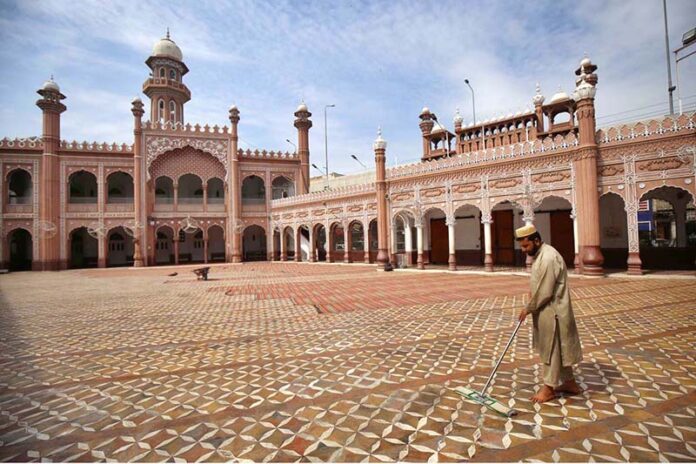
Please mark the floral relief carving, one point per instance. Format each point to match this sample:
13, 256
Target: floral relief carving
662, 164
466, 188
433, 192
505, 183
155, 146
551, 177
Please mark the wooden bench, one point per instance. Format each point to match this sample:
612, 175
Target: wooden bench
202, 273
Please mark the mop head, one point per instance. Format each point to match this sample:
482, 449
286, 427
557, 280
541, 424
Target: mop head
487, 401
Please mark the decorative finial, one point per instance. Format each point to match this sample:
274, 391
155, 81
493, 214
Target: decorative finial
51, 76
380, 143
538, 99
167, 32
538, 89
379, 131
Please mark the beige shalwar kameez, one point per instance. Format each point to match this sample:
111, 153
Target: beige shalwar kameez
555, 333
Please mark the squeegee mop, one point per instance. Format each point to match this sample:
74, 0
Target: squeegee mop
480, 397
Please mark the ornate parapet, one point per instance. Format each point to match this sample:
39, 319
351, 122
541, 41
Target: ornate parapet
28, 142
327, 195
176, 127
647, 128
95, 147
515, 151
264, 154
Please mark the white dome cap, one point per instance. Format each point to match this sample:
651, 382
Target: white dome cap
585, 61
558, 96
301, 107
167, 47
425, 110
458, 119
50, 85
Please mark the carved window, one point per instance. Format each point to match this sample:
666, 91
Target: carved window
172, 74
160, 110
161, 73
172, 110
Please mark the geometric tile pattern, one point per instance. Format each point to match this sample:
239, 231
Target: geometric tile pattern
299, 362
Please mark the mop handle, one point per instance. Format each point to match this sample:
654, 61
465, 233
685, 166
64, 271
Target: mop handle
483, 391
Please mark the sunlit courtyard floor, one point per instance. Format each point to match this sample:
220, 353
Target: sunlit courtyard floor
320, 362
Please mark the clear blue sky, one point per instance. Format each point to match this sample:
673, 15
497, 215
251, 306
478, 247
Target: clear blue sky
379, 62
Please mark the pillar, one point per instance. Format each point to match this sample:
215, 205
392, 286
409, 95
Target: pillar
283, 252
680, 222
303, 124
585, 164
452, 244
576, 247
101, 251
176, 248
205, 250
347, 244
426, 126
312, 246
235, 197
488, 244
380, 147
271, 242
49, 187
633, 262
419, 244
138, 182
366, 241
205, 198
408, 243
175, 185
329, 244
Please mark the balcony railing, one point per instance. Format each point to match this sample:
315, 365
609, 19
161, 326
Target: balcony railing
82, 200
119, 200
164, 200
253, 201
216, 200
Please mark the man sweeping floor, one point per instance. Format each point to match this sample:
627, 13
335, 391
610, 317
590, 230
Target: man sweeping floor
555, 333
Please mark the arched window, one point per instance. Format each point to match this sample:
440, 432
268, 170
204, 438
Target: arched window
20, 187
161, 73
282, 188
172, 110
172, 74
253, 191
160, 110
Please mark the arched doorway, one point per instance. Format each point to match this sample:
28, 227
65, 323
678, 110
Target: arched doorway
119, 248
303, 241
613, 231
190, 190
21, 250
468, 236
667, 229
276, 245
289, 243
372, 241
254, 244
84, 249
216, 244
356, 237
435, 239
253, 191
337, 243
320, 242
82, 187
505, 249
215, 191
164, 191
119, 188
164, 245
552, 220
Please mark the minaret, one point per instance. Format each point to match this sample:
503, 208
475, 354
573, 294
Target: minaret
380, 148
585, 163
303, 123
165, 86
235, 190
426, 126
49, 203
538, 101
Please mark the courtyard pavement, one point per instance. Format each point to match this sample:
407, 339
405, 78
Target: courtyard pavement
320, 362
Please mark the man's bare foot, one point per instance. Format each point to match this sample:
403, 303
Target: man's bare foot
570, 387
544, 394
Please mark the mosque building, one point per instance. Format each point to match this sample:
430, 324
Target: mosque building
609, 198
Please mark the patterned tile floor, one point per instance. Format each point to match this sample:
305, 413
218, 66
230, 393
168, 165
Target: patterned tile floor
299, 362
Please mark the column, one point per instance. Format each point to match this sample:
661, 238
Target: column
366, 240
419, 241
347, 244
487, 238
205, 250
634, 263
452, 244
312, 245
380, 147
138, 183
101, 251
205, 198
176, 247
408, 243
329, 243
576, 262
176, 196
680, 222
283, 253
303, 124
235, 197
271, 243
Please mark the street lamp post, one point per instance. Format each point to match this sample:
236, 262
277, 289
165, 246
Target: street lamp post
473, 99
688, 39
326, 144
670, 87
356, 159
291, 143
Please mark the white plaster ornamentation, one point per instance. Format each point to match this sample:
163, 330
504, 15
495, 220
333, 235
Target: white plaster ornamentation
631, 203
155, 146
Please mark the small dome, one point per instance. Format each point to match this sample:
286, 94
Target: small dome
558, 96
50, 85
167, 47
425, 110
458, 119
437, 129
302, 107
234, 108
585, 62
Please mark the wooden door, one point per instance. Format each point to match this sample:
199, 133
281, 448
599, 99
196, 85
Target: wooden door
439, 244
562, 235
503, 238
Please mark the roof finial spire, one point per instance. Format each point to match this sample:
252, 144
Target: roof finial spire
51, 76
167, 32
